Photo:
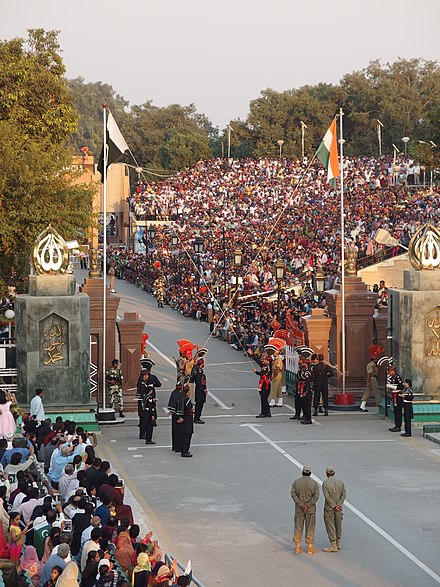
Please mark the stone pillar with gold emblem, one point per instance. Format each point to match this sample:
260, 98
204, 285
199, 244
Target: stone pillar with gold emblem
52, 330
414, 315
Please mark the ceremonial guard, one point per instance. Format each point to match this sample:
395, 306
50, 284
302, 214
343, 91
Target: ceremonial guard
146, 396
320, 375
114, 379
334, 494
303, 396
264, 384
407, 396
159, 290
185, 423
276, 396
372, 377
198, 377
175, 408
305, 494
395, 385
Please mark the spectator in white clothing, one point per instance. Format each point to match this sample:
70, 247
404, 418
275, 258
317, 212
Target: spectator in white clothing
36, 408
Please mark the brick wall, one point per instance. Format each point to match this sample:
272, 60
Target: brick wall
391, 271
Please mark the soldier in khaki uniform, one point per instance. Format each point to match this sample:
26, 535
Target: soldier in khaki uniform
334, 493
305, 494
276, 396
372, 385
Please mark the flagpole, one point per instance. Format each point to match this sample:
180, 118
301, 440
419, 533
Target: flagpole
104, 257
341, 151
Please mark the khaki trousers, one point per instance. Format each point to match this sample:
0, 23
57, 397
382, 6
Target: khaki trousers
373, 387
299, 520
333, 524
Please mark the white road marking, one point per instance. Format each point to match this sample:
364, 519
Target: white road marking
112, 440
293, 410
229, 363
137, 456
165, 410
160, 353
343, 441
354, 509
436, 451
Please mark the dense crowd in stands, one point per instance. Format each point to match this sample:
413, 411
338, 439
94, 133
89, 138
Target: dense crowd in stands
64, 521
270, 209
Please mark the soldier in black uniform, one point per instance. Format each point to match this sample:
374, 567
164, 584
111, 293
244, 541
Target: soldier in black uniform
407, 396
198, 377
303, 396
185, 423
394, 379
146, 397
175, 408
320, 375
265, 374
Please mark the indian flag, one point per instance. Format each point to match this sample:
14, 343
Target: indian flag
327, 153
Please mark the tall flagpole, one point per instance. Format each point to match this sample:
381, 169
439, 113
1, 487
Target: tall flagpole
341, 150
104, 268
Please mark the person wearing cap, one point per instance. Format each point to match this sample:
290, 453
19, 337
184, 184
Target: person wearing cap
334, 495
114, 379
303, 395
395, 383
147, 403
198, 377
276, 395
320, 375
372, 385
305, 494
264, 384
407, 396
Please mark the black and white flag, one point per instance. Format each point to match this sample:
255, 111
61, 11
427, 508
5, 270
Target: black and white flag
115, 145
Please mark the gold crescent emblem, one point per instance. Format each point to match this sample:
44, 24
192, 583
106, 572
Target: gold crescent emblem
50, 254
424, 248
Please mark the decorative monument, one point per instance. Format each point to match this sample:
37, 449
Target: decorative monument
52, 330
414, 315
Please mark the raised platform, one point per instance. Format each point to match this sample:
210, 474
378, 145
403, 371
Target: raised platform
424, 411
83, 417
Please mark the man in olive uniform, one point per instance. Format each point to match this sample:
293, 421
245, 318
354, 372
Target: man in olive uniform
372, 385
334, 494
114, 379
305, 494
276, 396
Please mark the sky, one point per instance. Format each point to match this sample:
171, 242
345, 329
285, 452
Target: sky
220, 55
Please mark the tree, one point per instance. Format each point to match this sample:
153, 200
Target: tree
37, 186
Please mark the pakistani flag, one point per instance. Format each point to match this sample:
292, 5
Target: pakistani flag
115, 145
327, 153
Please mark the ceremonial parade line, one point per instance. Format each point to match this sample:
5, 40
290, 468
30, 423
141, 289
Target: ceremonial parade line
351, 507
173, 364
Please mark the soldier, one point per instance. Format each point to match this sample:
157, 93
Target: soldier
146, 396
372, 385
303, 396
175, 408
198, 377
276, 397
264, 384
395, 383
185, 423
305, 494
159, 287
334, 494
407, 396
114, 379
320, 375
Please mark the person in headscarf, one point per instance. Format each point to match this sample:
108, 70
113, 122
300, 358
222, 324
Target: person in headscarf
88, 576
124, 552
69, 577
106, 577
51, 541
29, 562
141, 571
160, 575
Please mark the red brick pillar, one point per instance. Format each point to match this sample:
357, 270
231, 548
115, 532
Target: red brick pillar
317, 329
130, 329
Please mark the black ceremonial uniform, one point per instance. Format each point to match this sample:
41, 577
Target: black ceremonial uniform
146, 397
265, 374
198, 377
186, 426
320, 375
175, 408
397, 400
303, 396
408, 413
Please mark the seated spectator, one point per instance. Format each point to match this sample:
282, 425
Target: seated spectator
106, 577
55, 559
29, 562
124, 552
55, 574
88, 576
116, 494
69, 577
141, 571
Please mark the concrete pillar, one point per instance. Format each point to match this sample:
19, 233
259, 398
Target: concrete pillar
130, 329
317, 329
359, 308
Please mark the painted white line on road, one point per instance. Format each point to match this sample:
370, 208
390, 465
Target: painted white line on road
343, 441
354, 509
436, 451
165, 410
137, 456
229, 363
161, 354
218, 416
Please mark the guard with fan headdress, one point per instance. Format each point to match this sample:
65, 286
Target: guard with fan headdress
146, 396
159, 285
265, 375
303, 395
198, 377
372, 376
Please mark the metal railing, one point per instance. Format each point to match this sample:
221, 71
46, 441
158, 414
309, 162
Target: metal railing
169, 559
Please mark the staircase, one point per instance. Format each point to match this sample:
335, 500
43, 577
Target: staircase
390, 271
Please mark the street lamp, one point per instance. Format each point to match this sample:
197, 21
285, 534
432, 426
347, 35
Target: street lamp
303, 136
320, 281
280, 268
379, 135
198, 249
9, 315
280, 143
174, 240
151, 234
238, 259
405, 141
133, 235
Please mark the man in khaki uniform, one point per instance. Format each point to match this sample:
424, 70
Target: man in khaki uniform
276, 395
305, 494
372, 385
334, 494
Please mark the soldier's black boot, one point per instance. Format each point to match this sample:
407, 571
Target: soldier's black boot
121, 414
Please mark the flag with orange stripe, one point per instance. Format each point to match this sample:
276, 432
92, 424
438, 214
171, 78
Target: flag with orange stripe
327, 153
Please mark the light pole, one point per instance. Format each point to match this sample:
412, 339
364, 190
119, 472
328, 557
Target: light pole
238, 258
303, 136
174, 243
229, 141
432, 145
280, 268
405, 141
9, 315
198, 249
280, 143
133, 235
396, 150
320, 281
151, 235
379, 135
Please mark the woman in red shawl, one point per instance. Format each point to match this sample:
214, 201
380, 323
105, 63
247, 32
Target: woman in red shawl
29, 562
124, 552
117, 497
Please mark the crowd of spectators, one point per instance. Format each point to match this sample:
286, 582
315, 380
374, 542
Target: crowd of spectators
63, 517
270, 209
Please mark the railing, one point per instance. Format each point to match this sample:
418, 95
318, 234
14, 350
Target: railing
378, 257
169, 559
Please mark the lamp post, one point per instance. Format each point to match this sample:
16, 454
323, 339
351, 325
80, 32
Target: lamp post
238, 258
133, 235
9, 315
229, 141
280, 268
379, 135
174, 243
320, 281
198, 249
151, 234
280, 143
432, 145
405, 141
303, 136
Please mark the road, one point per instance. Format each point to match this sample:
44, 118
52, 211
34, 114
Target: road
229, 509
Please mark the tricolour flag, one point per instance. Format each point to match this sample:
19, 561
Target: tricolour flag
115, 144
327, 153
